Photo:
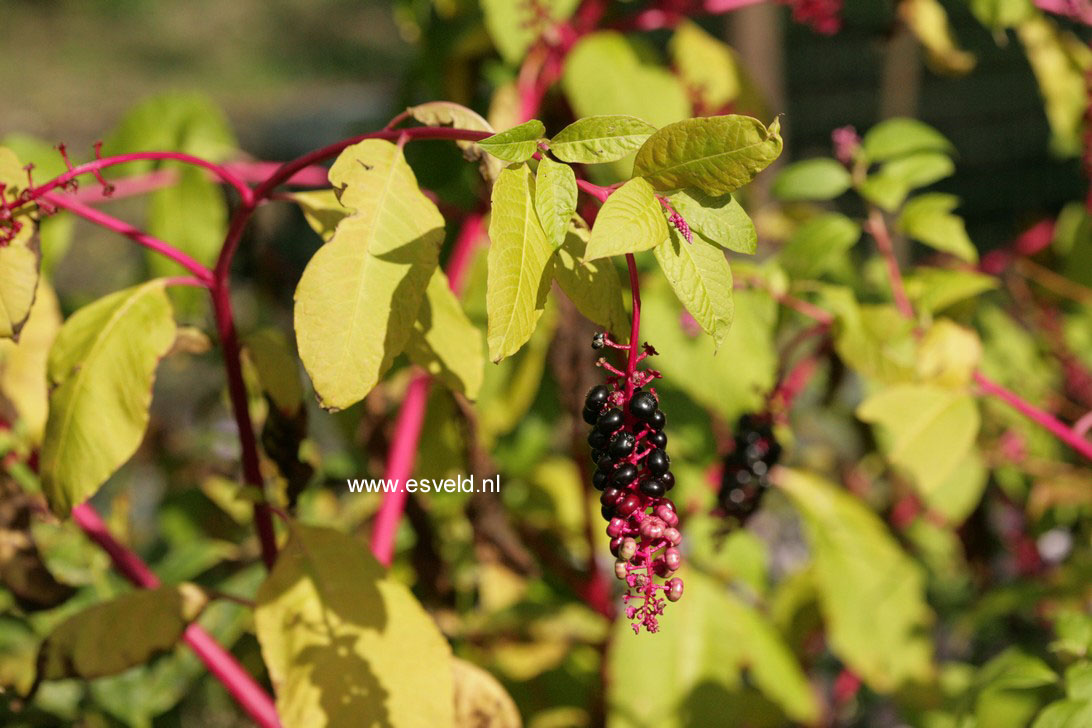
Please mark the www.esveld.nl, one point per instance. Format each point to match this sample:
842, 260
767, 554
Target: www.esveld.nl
462, 484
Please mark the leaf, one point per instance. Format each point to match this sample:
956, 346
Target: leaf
716, 154
928, 219
708, 639
113, 636
889, 186
517, 144
948, 354
275, 362
18, 256
900, 137
592, 286
934, 289
555, 199
176, 121
322, 210
876, 340
818, 245
1000, 14
481, 701
596, 139
928, 20
702, 280
629, 221
518, 257
708, 67
1060, 62
514, 26
721, 220
345, 644
444, 342
359, 295
101, 369
813, 179
447, 113
872, 595
928, 430
958, 496
23, 380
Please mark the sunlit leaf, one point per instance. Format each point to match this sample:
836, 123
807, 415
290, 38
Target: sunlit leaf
178, 121
101, 369
555, 199
948, 354
517, 144
813, 179
934, 289
444, 342
928, 219
630, 221
900, 137
322, 210
481, 701
359, 295
596, 139
721, 220
593, 286
1060, 62
928, 20
23, 364
702, 279
707, 66
514, 26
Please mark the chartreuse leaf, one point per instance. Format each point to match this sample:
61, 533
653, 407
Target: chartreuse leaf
927, 430
593, 286
23, 380
359, 295
514, 26
699, 672
818, 245
322, 210
721, 220
518, 257
517, 144
715, 154
998, 14
876, 340
934, 289
900, 137
928, 219
101, 369
555, 199
1060, 61
275, 362
928, 20
630, 221
18, 259
444, 342
813, 179
948, 354
889, 186
345, 644
702, 280
596, 139
872, 595
706, 65
174, 121
126, 631
477, 694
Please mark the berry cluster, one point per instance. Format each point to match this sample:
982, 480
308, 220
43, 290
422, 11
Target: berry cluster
746, 478
825, 16
633, 471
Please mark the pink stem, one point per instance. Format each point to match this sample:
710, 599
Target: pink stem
121, 227
635, 327
599, 193
221, 663
878, 228
313, 176
1047, 420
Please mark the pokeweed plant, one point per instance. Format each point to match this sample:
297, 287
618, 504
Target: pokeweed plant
656, 161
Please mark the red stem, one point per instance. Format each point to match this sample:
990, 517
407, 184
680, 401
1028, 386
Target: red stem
1042, 417
635, 326
878, 229
221, 663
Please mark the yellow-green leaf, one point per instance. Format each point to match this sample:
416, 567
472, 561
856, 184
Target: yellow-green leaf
701, 278
928, 20
514, 26
872, 595
593, 286
949, 354
101, 368
345, 644
812, 179
927, 429
273, 358
445, 342
359, 295
18, 257
596, 139
113, 636
707, 66
23, 364
900, 137
818, 245
322, 210
721, 220
517, 144
928, 219
555, 199
716, 154
630, 221
1060, 61
518, 258
480, 700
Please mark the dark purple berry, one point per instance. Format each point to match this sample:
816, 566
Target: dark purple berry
596, 397
653, 488
628, 505
599, 479
623, 475
657, 439
598, 440
595, 455
615, 543
610, 421
610, 496
657, 420
607, 512
621, 445
657, 462
668, 479
642, 405
590, 415
605, 463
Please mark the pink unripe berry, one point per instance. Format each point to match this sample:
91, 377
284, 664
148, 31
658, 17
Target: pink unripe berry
620, 569
674, 589
660, 567
628, 504
672, 558
652, 528
628, 549
616, 527
673, 536
667, 514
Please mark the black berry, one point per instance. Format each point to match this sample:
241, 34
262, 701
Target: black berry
607, 513
590, 415
598, 440
653, 488
610, 496
668, 479
599, 340
642, 405
605, 463
657, 439
610, 421
657, 420
657, 462
599, 479
621, 445
623, 476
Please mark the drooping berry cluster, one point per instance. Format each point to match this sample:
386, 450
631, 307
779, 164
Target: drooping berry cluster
746, 476
633, 471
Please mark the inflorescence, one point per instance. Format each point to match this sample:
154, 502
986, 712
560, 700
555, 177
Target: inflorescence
746, 476
634, 473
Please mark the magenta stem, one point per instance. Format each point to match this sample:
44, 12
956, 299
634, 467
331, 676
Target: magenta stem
599, 193
878, 228
121, 227
1041, 417
635, 326
221, 663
